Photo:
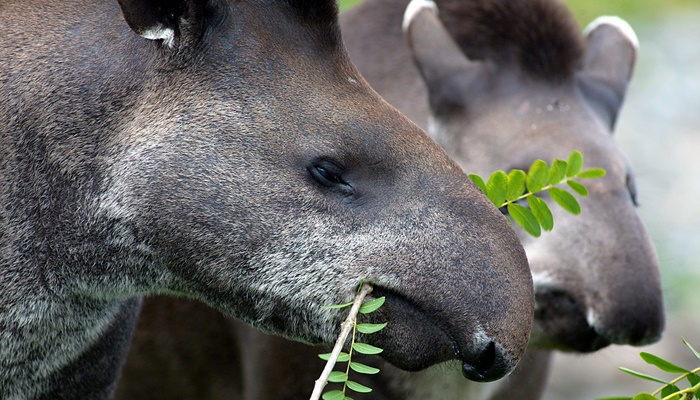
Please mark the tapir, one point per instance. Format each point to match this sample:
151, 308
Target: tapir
229, 152
497, 84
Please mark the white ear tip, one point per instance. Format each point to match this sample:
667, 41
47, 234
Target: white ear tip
618, 23
167, 35
413, 8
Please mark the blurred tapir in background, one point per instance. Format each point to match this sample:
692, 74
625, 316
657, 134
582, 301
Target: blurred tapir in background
498, 84
502, 83
227, 151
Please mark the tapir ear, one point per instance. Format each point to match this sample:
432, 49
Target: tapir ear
173, 22
607, 65
445, 69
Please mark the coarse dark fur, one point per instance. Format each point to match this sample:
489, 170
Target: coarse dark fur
541, 36
228, 152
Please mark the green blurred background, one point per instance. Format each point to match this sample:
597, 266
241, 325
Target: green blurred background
659, 130
588, 10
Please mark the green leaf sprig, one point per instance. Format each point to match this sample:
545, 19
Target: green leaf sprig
670, 389
505, 190
343, 377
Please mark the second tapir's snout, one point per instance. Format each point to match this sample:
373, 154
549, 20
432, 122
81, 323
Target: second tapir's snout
497, 100
614, 297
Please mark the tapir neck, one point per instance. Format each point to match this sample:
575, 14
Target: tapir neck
64, 349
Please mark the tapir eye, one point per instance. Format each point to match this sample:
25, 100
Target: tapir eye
632, 189
330, 175
326, 177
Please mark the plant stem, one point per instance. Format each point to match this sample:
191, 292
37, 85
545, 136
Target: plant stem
352, 344
688, 391
529, 193
347, 325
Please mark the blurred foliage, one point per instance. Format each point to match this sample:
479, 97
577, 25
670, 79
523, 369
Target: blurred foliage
685, 386
345, 4
588, 10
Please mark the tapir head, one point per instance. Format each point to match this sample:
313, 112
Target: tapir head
256, 170
525, 92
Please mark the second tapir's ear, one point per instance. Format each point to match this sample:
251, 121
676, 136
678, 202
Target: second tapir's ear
607, 65
173, 22
446, 71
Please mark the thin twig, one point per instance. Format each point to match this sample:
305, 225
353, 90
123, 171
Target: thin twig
345, 331
678, 379
529, 193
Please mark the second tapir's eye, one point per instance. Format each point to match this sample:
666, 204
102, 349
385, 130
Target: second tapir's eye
330, 175
632, 189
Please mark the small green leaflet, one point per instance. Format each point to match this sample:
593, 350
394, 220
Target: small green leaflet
333, 395
669, 390
557, 172
343, 357
537, 176
362, 368
662, 364
542, 212
478, 182
578, 188
691, 348
525, 218
574, 164
566, 200
516, 184
339, 305
370, 328
592, 173
337, 376
358, 387
643, 376
497, 187
365, 348
372, 305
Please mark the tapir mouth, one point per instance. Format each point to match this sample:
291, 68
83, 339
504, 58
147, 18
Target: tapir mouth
411, 340
414, 340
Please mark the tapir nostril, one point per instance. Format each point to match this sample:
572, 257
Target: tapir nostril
563, 321
555, 303
488, 358
481, 368
561, 299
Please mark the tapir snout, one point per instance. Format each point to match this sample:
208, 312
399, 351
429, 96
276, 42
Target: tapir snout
573, 310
